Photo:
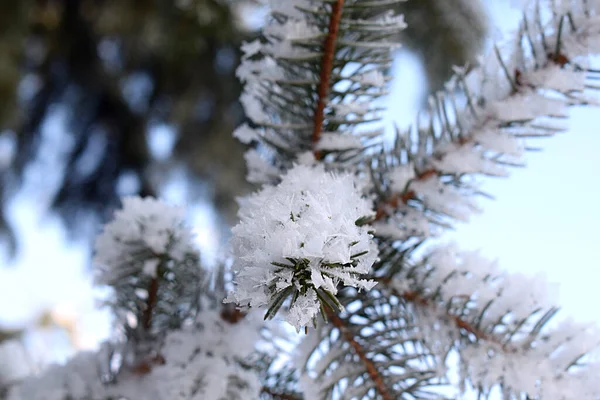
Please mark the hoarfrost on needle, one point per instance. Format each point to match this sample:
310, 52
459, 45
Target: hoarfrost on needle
301, 237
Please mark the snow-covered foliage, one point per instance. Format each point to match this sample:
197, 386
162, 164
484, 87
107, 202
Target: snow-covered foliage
340, 214
144, 225
498, 323
341, 357
519, 91
145, 252
281, 82
302, 239
81, 378
198, 362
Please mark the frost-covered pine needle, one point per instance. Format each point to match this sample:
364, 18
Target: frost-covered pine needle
302, 239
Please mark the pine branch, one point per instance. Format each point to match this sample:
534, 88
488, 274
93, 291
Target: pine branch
198, 361
425, 183
311, 81
368, 363
326, 69
388, 206
374, 352
418, 299
503, 320
278, 396
482, 133
150, 304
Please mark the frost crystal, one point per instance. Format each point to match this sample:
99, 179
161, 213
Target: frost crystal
301, 239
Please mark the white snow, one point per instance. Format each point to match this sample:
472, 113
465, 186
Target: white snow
309, 216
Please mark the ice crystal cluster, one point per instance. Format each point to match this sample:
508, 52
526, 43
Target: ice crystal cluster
302, 239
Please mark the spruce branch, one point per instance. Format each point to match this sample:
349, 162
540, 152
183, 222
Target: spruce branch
146, 256
428, 180
150, 304
418, 299
494, 321
373, 352
199, 361
311, 81
329, 48
372, 370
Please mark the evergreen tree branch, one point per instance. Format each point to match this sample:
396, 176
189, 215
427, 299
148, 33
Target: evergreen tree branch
428, 180
150, 304
326, 69
374, 352
416, 298
424, 183
494, 322
372, 370
278, 396
310, 83
198, 361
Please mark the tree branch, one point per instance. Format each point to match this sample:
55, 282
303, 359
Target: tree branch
372, 370
150, 304
415, 297
231, 314
326, 69
383, 209
397, 198
278, 396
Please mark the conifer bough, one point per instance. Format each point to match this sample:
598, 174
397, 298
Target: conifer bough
340, 224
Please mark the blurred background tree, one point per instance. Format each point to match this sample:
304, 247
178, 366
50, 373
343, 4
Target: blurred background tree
141, 88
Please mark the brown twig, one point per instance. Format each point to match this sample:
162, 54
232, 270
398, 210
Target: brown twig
276, 395
231, 314
150, 304
397, 198
373, 372
414, 297
326, 69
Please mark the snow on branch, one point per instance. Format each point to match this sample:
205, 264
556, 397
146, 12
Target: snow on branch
373, 351
146, 255
478, 126
311, 80
427, 182
300, 240
501, 325
198, 362
305, 241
